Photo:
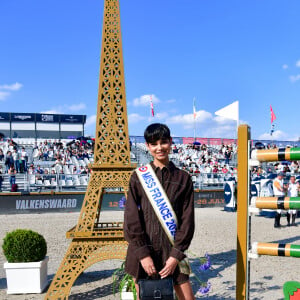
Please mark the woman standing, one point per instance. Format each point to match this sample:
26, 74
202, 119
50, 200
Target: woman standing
150, 251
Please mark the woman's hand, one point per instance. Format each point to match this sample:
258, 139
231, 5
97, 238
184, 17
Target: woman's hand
148, 265
169, 267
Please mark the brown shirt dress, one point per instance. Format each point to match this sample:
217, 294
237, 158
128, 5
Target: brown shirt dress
143, 231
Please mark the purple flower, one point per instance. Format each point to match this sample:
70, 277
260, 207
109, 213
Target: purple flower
122, 202
204, 288
205, 262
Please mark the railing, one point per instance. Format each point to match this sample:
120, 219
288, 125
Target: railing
46, 182
79, 182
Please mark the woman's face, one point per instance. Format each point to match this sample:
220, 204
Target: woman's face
160, 149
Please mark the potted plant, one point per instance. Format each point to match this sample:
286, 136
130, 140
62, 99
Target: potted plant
27, 263
126, 284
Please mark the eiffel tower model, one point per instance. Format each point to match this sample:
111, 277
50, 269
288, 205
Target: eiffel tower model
93, 241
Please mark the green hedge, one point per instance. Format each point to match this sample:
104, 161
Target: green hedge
24, 245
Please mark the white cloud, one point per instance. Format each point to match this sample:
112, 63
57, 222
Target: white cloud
188, 119
135, 118
221, 130
51, 111
3, 95
6, 89
76, 107
207, 125
91, 120
295, 78
11, 87
277, 135
298, 63
158, 116
145, 100
65, 109
285, 66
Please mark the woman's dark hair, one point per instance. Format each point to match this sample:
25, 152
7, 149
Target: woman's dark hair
156, 131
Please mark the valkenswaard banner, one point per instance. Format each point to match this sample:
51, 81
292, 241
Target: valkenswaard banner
47, 203
16, 203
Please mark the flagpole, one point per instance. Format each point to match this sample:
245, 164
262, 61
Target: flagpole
237, 122
194, 112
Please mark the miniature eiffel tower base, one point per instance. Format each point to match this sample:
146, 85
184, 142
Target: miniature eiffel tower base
92, 241
82, 254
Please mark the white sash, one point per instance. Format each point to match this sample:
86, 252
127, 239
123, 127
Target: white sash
162, 207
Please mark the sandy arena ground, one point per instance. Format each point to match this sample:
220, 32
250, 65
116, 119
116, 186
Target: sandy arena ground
215, 234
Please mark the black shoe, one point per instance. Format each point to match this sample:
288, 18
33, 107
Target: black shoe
288, 218
277, 220
294, 220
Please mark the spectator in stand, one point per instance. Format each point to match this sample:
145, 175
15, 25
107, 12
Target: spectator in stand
46, 175
82, 170
76, 171
197, 171
11, 145
294, 167
16, 158
9, 161
31, 170
45, 154
87, 170
224, 169
62, 175
227, 155
12, 175
286, 169
85, 155
215, 169
24, 158
1, 179
39, 170
1, 155
79, 156
207, 169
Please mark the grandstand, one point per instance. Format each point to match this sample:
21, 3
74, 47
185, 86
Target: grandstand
63, 164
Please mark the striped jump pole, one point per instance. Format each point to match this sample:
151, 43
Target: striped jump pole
276, 249
277, 154
277, 202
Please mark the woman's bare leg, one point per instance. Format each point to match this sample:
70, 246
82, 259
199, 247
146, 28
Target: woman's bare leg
184, 291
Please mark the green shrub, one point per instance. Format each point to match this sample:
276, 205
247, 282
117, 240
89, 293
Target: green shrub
24, 245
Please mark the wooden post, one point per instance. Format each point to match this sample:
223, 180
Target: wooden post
243, 219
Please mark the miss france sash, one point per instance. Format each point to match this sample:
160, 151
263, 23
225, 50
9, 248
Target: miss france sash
162, 207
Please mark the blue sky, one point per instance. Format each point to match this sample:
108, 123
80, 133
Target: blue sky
214, 50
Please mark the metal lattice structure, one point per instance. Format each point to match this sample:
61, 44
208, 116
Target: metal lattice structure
93, 241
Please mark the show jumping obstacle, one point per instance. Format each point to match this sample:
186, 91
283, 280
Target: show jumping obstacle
278, 154
276, 202
275, 249
244, 209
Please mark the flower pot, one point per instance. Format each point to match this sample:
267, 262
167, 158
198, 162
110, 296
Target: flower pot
26, 278
126, 295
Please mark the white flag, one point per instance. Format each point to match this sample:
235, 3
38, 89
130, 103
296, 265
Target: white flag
230, 111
